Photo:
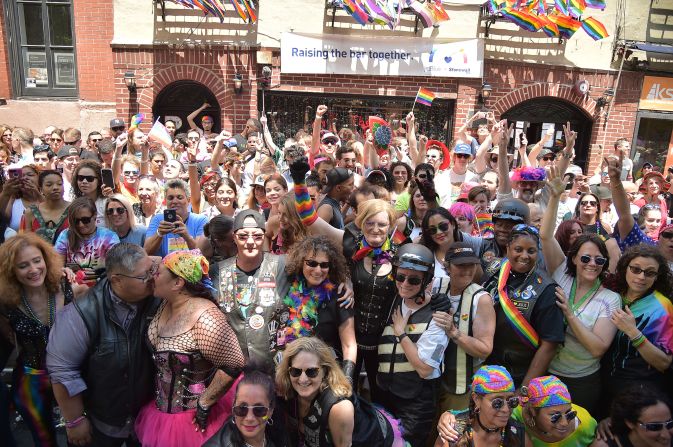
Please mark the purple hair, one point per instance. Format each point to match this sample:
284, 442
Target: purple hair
462, 209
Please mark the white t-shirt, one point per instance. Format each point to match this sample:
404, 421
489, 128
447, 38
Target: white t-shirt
431, 346
573, 359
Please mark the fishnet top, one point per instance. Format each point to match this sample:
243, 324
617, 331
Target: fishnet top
187, 362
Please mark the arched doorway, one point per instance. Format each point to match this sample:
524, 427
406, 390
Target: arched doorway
535, 115
181, 98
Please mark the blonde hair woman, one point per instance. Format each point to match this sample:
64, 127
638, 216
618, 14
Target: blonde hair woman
119, 218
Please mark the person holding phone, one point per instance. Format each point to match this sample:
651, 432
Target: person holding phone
20, 192
177, 228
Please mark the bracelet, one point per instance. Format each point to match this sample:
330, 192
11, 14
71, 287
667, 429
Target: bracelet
75, 422
639, 340
401, 337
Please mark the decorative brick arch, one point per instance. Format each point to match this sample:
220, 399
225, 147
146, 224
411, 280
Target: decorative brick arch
163, 77
532, 91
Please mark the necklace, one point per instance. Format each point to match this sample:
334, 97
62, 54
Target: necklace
574, 304
303, 304
51, 303
470, 433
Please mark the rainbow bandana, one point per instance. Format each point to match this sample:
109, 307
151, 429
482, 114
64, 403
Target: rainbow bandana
547, 391
189, 265
516, 320
491, 379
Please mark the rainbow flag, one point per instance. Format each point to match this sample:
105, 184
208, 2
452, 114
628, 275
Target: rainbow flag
438, 11
567, 25
549, 27
239, 9
136, 120
159, 134
378, 14
398, 237
596, 4
250, 9
522, 18
594, 28
577, 7
423, 13
425, 97
485, 224
355, 10
516, 320
561, 6
495, 5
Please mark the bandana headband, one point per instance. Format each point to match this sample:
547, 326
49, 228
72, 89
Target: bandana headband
491, 379
547, 391
189, 265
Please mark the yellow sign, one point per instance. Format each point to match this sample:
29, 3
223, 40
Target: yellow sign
657, 94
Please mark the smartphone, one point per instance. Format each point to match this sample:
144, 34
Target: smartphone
170, 215
108, 179
16, 173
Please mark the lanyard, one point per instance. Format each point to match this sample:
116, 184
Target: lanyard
576, 305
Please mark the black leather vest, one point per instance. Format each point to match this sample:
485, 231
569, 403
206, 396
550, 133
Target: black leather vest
508, 349
396, 374
374, 296
337, 220
119, 371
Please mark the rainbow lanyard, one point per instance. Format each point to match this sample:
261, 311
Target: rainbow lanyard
515, 318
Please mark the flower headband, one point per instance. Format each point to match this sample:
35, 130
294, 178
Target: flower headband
491, 379
528, 174
547, 391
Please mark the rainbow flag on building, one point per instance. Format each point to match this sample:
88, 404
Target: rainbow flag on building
594, 28
425, 97
596, 4
567, 25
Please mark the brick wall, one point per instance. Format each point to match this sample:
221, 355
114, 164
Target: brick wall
93, 34
5, 82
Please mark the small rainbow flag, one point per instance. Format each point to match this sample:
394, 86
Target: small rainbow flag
567, 25
549, 27
425, 97
577, 7
495, 5
398, 237
517, 321
485, 224
522, 18
136, 120
239, 9
594, 28
561, 6
249, 7
596, 4
356, 11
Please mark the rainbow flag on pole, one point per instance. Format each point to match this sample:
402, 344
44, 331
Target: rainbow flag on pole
425, 97
159, 134
594, 28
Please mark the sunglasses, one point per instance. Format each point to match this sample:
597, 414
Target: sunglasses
120, 128
548, 158
599, 260
259, 411
131, 173
88, 178
83, 220
588, 203
72, 143
423, 176
463, 155
112, 211
657, 426
313, 264
311, 373
96, 140
193, 138
666, 235
499, 402
55, 140
412, 280
556, 417
648, 273
442, 227
243, 237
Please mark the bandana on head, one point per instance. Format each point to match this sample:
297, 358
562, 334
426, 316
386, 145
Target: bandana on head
547, 391
665, 228
189, 265
528, 174
491, 379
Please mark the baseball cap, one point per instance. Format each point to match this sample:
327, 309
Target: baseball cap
248, 219
88, 155
602, 192
117, 122
462, 148
330, 136
259, 180
647, 164
67, 151
460, 253
543, 153
335, 177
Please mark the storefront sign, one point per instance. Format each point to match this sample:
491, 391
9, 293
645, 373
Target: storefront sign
383, 56
657, 94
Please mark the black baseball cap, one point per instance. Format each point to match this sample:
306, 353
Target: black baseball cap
67, 151
249, 219
461, 253
336, 176
117, 122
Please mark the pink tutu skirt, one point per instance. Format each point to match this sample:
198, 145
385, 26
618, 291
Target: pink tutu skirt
398, 439
155, 428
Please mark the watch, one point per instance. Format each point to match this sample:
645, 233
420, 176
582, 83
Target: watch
399, 338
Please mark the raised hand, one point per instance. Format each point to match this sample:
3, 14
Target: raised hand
555, 181
320, 111
298, 170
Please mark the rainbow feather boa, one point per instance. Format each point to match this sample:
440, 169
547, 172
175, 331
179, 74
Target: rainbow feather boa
303, 303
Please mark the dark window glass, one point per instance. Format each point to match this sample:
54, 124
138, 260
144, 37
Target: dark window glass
60, 27
33, 23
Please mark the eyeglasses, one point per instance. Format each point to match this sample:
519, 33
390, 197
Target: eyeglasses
259, 411
463, 155
147, 276
657, 426
648, 273
599, 260
313, 264
499, 402
112, 211
666, 235
72, 142
131, 173
441, 227
412, 280
588, 203
83, 220
311, 373
243, 237
88, 178
569, 415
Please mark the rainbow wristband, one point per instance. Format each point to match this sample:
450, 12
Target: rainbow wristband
639, 340
304, 204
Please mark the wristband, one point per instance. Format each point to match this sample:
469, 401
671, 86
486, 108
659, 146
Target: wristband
74, 423
401, 337
639, 340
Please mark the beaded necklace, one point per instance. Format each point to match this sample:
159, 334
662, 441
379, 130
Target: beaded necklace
51, 302
303, 304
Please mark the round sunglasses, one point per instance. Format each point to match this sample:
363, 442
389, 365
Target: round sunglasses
599, 260
499, 402
412, 280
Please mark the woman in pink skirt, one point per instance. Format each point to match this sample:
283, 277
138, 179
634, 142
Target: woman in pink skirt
196, 354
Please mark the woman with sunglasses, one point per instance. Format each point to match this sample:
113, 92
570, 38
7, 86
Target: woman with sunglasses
130, 174
587, 211
87, 182
642, 351
315, 267
56, 140
586, 304
654, 186
640, 417
50, 217
119, 218
251, 424
529, 324
196, 354
321, 408
84, 245
488, 421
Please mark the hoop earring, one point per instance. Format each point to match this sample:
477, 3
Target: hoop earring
269, 421
476, 410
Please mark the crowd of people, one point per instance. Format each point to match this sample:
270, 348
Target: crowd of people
351, 286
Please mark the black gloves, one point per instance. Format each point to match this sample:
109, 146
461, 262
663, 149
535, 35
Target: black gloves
201, 416
298, 170
349, 370
439, 302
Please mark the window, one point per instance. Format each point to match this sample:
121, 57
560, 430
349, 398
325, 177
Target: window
43, 47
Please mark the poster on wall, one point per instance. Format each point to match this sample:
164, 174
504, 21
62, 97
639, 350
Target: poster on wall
37, 74
65, 69
381, 56
657, 94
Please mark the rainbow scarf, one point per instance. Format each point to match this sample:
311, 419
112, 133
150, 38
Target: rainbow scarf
304, 205
520, 325
303, 307
380, 254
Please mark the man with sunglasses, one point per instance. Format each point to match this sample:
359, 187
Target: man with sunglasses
117, 127
448, 182
85, 359
92, 141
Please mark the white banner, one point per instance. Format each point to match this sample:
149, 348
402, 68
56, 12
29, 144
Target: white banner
383, 56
